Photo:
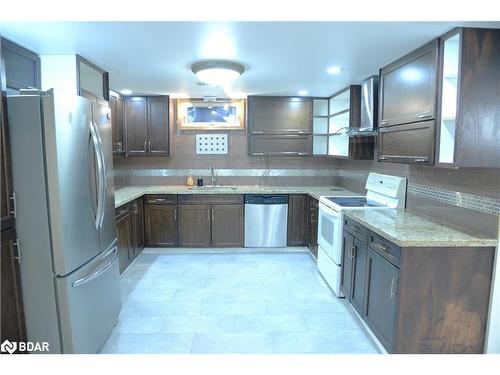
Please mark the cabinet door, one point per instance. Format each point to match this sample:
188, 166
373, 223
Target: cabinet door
408, 87
280, 145
194, 225
312, 242
158, 137
116, 105
298, 212
381, 297
7, 202
227, 225
347, 265
358, 276
279, 115
136, 122
138, 225
12, 325
22, 67
161, 225
125, 248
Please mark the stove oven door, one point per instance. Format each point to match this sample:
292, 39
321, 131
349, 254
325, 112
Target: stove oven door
330, 233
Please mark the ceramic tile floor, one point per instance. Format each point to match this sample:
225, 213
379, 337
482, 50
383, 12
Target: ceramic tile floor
252, 302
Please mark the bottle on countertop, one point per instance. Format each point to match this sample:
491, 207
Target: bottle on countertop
190, 180
200, 181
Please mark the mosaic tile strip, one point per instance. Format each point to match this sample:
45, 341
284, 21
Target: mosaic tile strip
132, 172
454, 198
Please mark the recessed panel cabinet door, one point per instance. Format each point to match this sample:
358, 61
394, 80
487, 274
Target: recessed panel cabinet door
227, 225
161, 225
136, 122
347, 255
158, 126
194, 225
12, 325
116, 105
359, 276
138, 225
297, 219
408, 87
381, 297
124, 231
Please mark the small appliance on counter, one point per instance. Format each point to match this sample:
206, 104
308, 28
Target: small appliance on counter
383, 191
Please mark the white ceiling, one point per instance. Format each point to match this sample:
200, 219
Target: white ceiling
281, 57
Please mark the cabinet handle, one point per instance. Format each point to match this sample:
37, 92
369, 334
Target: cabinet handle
149, 146
258, 153
145, 148
135, 208
382, 158
18, 245
14, 205
424, 116
208, 214
257, 132
353, 252
175, 214
394, 287
421, 160
384, 123
119, 144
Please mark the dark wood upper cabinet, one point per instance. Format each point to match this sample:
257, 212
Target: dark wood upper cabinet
22, 67
161, 221
195, 225
279, 115
280, 126
227, 225
468, 127
116, 105
147, 126
312, 236
298, 211
136, 125
408, 87
12, 323
158, 143
91, 78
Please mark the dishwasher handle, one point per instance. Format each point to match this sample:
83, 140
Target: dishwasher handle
266, 199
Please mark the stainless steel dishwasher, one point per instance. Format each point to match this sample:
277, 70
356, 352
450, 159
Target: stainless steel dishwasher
266, 219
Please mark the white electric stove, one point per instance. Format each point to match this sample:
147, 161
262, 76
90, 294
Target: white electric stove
382, 191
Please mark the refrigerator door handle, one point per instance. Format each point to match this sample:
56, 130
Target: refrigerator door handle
95, 274
103, 183
100, 206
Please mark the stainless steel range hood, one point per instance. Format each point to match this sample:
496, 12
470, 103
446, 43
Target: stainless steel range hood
369, 109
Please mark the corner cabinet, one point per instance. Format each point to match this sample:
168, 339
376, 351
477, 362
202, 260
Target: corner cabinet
468, 130
279, 126
116, 105
344, 113
147, 126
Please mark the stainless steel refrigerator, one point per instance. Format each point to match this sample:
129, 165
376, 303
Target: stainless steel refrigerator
63, 180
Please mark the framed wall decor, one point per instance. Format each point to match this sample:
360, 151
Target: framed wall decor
196, 114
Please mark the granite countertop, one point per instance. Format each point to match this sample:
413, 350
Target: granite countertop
126, 194
407, 228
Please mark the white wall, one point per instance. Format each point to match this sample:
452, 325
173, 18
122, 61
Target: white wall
58, 72
493, 333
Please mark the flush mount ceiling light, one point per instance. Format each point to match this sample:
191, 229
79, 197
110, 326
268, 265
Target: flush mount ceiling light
217, 72
303, 92
334, 70
126, 92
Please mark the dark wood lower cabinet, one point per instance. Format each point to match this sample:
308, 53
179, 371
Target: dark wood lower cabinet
12, 322
312, 237
161, 225
124, 233
381, 298
227, 225
195, 225
418, 300
137, 216
298, 212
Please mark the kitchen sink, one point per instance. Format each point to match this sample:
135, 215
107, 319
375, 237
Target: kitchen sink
213, 187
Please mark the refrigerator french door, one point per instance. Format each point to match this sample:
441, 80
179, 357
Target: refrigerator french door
63, 179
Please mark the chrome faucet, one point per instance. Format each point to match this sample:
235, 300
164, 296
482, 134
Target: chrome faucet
213, 178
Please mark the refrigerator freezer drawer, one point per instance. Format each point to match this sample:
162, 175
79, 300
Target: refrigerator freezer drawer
90, 302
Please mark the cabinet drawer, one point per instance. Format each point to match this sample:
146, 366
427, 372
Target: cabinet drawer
122, 211
211, 199
161, 199
385, 248
280, 145
411, 143
355, 229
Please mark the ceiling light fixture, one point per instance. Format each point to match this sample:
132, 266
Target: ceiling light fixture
126, 92
217, 72
334, 70
303, 92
